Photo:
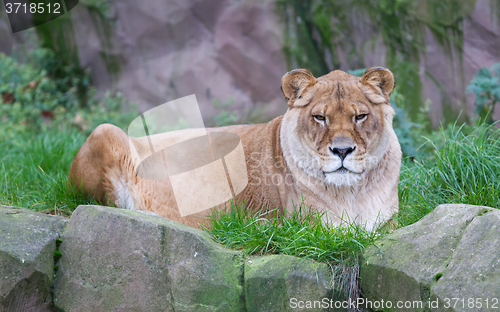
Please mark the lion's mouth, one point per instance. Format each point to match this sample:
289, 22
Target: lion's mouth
342, 170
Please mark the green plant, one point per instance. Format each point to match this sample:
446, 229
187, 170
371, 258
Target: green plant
225, 117
30, 95
43, 126
410, 133
43, 91
462, 167
299, 233
486, 85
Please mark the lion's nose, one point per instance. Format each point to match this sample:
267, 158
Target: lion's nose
342, 152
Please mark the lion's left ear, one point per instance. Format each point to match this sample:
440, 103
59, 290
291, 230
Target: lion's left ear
380, 79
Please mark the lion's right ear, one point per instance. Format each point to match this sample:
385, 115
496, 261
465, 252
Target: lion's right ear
295, 82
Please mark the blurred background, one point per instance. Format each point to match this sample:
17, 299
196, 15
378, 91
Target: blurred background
109, 60
232, 53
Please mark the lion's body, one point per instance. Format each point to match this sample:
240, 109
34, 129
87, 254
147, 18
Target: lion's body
287, 159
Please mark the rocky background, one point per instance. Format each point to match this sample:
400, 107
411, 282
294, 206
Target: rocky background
235, 52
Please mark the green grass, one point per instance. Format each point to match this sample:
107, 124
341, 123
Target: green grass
299, 233
462, 167
34, 169
44, 121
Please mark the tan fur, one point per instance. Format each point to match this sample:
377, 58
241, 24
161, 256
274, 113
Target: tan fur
289, 158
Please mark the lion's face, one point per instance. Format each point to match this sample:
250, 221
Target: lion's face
339, 125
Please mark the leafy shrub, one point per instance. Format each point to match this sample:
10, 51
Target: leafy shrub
486, 85
409, 132
225, 117
33, 100
31, 91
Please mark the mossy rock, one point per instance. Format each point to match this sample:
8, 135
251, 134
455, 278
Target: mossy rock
122, 260
27, 247
431, 259
286, 283
473, 272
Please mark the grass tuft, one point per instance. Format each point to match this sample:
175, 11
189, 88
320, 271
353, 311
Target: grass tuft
463, 168
298, 233
34, 171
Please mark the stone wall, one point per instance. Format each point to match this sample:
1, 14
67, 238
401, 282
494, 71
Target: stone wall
121, 260
110, 259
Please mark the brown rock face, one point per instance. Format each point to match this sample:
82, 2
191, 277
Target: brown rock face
481, 43
231, 51
222, 50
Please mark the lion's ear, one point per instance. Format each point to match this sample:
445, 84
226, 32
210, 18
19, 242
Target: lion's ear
381, 79
295, 82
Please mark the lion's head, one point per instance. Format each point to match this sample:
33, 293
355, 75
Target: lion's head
338, 126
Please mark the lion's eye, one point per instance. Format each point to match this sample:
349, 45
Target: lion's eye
360, 117
319, 117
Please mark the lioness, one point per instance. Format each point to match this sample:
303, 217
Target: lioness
335, 148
